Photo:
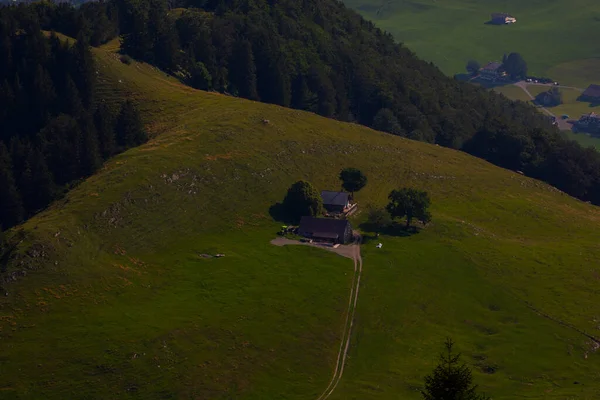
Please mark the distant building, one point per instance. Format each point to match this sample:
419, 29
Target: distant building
326, 229
503, 18
550, 98
591, 94
491, 71
589, 123
335, 202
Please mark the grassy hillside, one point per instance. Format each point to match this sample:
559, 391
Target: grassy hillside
120, 302
555, 37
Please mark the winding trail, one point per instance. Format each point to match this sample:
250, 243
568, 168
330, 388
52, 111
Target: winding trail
347, 335
562, 124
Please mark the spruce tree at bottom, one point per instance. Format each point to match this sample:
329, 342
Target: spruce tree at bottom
451, 380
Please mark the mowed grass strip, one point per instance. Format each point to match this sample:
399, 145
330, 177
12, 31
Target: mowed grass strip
125, 304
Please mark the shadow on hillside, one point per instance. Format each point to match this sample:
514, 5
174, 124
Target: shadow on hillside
463, 77
492, 22
278, 213
395, 229
490, 84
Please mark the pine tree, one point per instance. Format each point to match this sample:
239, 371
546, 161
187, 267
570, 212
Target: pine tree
89, 147
105, 128
243, 70
63, 138
129, 128
83, 70
38, 186
72, 101
11, 208
451, 380
200, 78
45, 96
302, 97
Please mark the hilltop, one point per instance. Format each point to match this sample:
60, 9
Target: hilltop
111, 285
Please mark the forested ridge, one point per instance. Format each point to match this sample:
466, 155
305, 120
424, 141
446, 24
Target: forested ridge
314, 55
54, 129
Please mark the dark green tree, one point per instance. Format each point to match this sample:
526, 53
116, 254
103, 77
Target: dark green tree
242, 73
104, 120
451, 380
473, 67
43, 101
200, 78
11, 207
302, 97
83, 70
410, 203
129, 127
515, 66
386, 121
72, 103
38, 185
302, 199
353, 180
89, 147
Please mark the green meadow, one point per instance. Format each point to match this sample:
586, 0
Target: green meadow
557, 38
120, 300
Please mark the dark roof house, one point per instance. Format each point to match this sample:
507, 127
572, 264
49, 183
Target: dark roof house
491, 70
492, 66
332, 230
335, 201
592, 93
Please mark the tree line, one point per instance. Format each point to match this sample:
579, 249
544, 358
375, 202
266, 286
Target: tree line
55, 129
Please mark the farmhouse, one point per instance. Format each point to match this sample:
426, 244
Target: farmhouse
326, 229
503, 18
591, 94
335, 202
491, 71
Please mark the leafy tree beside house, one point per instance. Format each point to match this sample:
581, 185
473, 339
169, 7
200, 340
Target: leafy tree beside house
451, 380
515, 66
353, 180
302, 199
409, 203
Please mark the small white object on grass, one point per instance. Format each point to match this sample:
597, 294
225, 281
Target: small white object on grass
379, 245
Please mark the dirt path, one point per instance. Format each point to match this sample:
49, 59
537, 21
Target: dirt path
352, 251
562, 124
347, 335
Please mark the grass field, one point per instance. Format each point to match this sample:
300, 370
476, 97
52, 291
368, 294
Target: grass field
556, 38
512, 92
119, 303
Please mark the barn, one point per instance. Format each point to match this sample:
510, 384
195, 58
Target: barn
326, 229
